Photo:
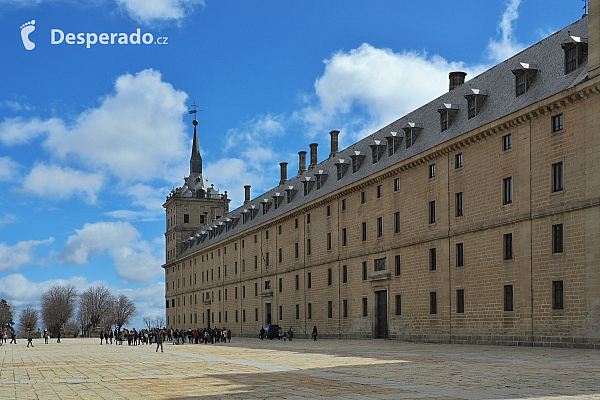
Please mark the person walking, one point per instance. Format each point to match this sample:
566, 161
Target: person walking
159, 340
101, 337
46, 336
29, 339
314, 334
58, 336
13, 338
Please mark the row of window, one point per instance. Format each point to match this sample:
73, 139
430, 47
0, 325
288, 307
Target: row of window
557, 233
508, 292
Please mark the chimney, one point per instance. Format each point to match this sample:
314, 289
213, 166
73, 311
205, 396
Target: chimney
593, 38
283, 166
334, 142
301, 162
457, 78
313, 155
246, 194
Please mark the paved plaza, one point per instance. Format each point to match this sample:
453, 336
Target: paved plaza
302, 369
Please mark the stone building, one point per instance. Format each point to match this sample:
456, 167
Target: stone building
475, 218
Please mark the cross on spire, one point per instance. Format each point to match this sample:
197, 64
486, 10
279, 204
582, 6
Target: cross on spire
195, 110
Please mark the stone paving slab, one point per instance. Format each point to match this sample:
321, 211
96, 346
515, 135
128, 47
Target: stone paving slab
334, 369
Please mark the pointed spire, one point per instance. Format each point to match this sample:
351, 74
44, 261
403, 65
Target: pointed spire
196, 159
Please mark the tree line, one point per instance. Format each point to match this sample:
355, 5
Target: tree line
64, 311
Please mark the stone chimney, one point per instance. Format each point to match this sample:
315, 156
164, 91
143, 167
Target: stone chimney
313, 155
283, 166
246, 194
334, 142
301, 162
457, 78
593, 38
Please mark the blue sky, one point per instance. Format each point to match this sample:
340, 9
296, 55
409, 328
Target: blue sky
93, 139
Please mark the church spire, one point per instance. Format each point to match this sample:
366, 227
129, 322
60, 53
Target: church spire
196, 159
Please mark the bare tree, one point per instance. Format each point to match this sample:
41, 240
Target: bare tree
160, 322
83, 322
6, 315
148, 321
28, 320
123, 310
96, 303
58, 305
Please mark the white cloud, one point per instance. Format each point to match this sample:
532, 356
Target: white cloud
507, 46
15, 105
149, 198
18, 131
134, 261
149, 300
369, 87
9, 170
14, 257
149, 12
57, 183
9, 219
136, 133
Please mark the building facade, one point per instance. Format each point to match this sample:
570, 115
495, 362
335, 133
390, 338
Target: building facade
473, 219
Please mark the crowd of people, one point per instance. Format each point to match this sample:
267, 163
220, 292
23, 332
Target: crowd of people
134, 337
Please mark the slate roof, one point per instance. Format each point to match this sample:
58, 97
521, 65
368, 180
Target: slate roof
499, 85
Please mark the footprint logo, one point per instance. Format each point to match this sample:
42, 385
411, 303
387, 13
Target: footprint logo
26, 29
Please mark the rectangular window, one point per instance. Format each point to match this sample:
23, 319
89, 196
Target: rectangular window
432, 303
431, 171
243, 316
432, 259
460, 255
309, 310
297, 311
344, 237
244, 291
570, 59
296, 248
255, 262
397, 222
280, 313
267, 258
364, 231
557, 295
329, 211
296, 223
557, 177
557, 238
297, 282
380, 264
508, 298
256, 314
308, 247
507, 195
398, 304
471, 107
186, 220
557, 123
343, 204
330, 309
328, 240
364, 271
379, 191
307, 219
365, 309
279, 229
345, 308
432, 212
460, 301
520, 83
459, 204
507, 142
458, 160
280, 285
309, 280
508, 246
256, 289
396, 184
363, 197
344, 274
329, 277
397, 270
280, 255
379, 227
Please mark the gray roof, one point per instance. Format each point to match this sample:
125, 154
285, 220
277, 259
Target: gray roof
498, 83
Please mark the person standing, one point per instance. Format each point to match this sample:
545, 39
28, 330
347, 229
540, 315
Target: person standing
314, 334
101, 337
159, 340
29, 339
13, 338
58, 336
